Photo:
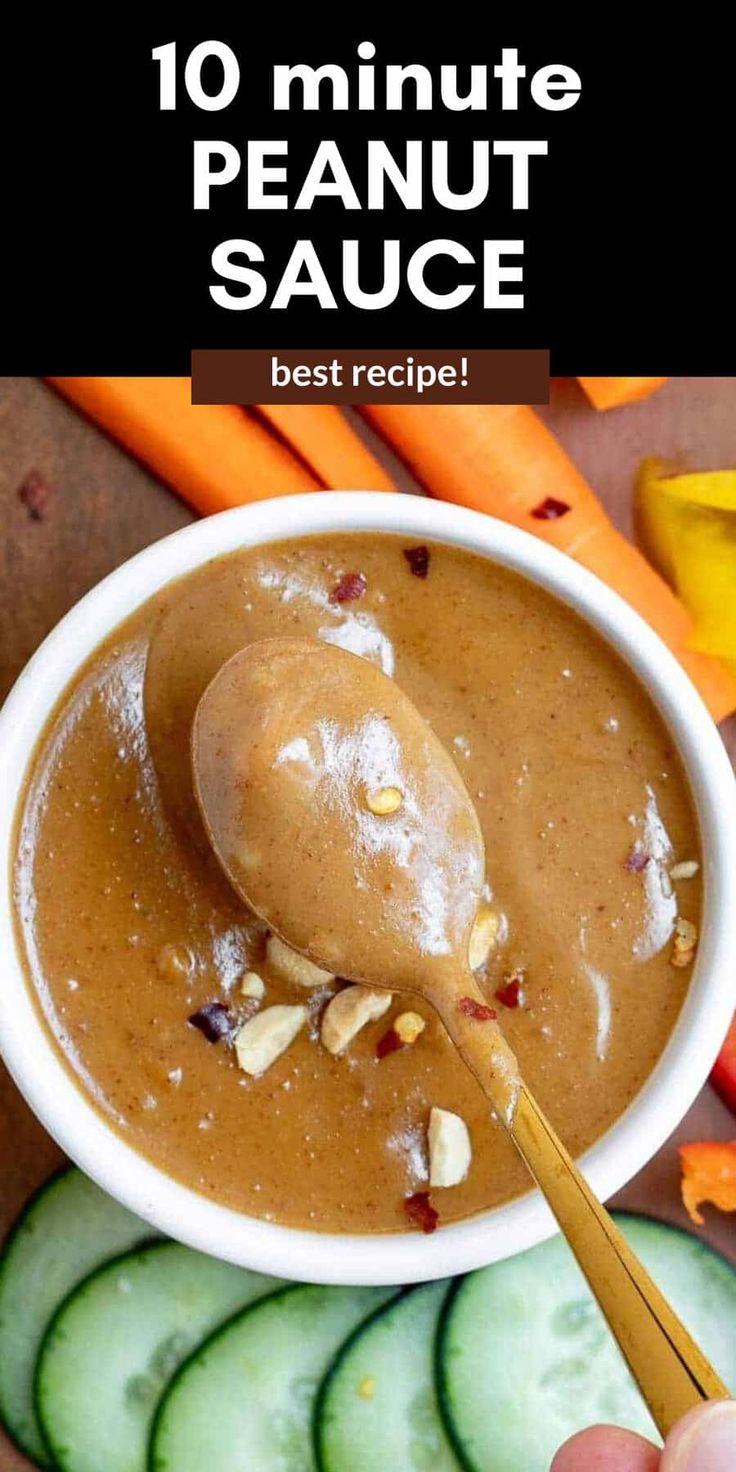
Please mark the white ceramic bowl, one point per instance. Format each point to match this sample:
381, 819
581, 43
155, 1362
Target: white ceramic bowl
686, 1062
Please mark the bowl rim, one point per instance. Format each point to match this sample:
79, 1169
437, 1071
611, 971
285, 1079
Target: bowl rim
404, 1257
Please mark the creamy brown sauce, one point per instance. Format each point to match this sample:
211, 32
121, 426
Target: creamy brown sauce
128, 925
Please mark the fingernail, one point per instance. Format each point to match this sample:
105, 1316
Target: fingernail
705, 1441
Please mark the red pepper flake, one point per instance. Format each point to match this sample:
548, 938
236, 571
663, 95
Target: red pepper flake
213, 1021
389, 1043
418, 560
510, 994
550, 509
421, 1212
350, 587
637, 860
35, 493
477, 1010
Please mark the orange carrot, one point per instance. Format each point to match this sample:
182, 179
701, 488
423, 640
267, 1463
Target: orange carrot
214, 455
501, 459
331, 449
609, 393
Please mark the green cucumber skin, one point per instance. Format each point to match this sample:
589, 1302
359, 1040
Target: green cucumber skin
460, 1435
158, 1457
321, 1409
440, 1366
343, 1351
168, 1271
23, 1224
319, 1404
155, 1462
17, 1404
27, 1224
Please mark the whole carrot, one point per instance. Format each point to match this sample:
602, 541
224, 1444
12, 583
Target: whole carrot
501, 459
214, 455
610, 393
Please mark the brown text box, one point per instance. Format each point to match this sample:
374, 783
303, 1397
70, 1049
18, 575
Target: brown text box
370, 376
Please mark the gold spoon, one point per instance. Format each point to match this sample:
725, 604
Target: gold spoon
342, 821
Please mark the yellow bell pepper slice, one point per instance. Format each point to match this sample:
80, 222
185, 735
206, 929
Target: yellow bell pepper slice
687, 527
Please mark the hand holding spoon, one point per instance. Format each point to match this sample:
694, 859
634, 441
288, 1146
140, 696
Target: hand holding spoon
341, 820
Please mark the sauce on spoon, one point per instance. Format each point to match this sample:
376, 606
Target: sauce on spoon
342, 821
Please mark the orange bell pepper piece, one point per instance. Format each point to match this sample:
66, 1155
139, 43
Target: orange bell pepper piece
708, 1174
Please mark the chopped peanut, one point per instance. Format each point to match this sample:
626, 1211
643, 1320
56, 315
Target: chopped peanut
384, 801
294, 967
483, 936
450, 1151
349, 1011
685, 942
253, 986
263, 1039
685, 870
367, 1387
408, 1026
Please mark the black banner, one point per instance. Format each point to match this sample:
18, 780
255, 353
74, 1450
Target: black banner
623, 258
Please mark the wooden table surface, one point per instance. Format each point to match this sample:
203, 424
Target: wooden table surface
105, 507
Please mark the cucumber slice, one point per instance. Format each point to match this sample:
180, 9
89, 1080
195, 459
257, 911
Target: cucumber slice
245, 1399
68, 1228
115, 1343
377, 1406
525, 1358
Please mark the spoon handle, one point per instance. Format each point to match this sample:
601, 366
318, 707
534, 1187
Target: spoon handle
672, 1373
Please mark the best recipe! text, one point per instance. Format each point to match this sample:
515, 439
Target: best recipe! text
255, 175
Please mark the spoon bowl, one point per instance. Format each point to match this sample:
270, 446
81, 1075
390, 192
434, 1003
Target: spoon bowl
337, 814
